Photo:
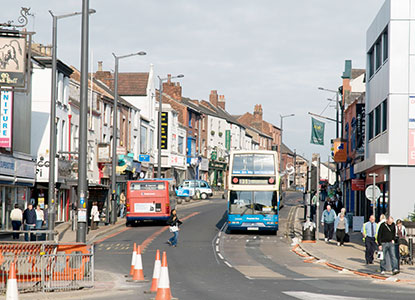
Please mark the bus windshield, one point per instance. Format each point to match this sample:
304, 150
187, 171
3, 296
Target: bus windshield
247, 202
254, 164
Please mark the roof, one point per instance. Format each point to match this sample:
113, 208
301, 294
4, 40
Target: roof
258, 132
133, 84
224, 114
286, 150
47, 62
357, 72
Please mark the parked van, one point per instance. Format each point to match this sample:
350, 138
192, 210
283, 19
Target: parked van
190, 187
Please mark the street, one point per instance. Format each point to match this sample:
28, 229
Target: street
254, 266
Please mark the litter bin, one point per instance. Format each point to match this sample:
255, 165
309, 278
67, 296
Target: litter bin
309, 231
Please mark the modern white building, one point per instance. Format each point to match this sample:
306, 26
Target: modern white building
390, 107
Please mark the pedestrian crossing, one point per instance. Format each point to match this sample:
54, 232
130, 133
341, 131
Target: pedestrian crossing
119, 247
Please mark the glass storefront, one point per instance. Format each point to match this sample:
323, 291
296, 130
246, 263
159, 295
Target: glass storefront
9, 196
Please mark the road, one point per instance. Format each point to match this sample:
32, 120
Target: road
238, 266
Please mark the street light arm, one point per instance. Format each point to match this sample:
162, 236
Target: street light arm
128, 55
328, 90
91, 11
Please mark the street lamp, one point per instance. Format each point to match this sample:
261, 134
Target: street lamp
161, 80
52, 141
282, 124
114, 135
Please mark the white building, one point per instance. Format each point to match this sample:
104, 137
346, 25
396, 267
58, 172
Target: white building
390, 106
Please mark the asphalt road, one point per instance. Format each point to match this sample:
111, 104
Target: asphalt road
238, 266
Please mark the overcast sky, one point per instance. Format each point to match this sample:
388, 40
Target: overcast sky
271, 52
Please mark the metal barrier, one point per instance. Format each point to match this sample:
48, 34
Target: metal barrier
49, 271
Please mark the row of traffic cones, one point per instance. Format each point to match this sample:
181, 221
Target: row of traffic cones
160, 283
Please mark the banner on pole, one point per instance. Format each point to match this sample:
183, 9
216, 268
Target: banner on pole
317, 132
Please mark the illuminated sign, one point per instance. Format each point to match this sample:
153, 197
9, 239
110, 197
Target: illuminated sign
6, 104
164, 130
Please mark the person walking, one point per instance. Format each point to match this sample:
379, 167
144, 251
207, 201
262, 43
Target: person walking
29, 220
122, 204
341, 227
16, 215
46, 216
40, 218
338, 205
94, 216
174, 223
369, 230
327, 220
386, 242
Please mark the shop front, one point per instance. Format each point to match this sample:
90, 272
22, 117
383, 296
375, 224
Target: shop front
217, 174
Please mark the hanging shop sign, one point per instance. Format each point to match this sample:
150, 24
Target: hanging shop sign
228, 140
164, 130
12, 61
339, 151
6, 105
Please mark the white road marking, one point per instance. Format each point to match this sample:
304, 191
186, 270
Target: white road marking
217, 241
228, 264
315, 296
217, 248
247, 277
220, 256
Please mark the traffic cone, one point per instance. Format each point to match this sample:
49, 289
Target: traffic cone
133, 258
156, 273
12, 293
138, 266
163, 290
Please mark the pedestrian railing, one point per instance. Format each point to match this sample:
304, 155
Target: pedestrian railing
43, 271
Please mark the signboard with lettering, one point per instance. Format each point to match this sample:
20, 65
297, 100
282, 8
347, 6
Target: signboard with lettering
339, 150
104, 153
144, 158
411, 131
6, 104
228, 140
12, 61
358, 184
164, 130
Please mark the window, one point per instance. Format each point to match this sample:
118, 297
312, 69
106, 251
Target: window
151, 139
105, 113
180, 144
143, 139
385, 45
190, 119
203, 123
371, 62
378, 52
370, 126
377, 120
259, 164
384, 115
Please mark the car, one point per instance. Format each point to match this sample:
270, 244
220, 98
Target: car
190, 187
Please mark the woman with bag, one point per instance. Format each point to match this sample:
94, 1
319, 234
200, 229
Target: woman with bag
174, 223
341, 227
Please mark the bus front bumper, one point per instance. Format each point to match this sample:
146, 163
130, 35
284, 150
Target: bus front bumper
149, 218
232, 225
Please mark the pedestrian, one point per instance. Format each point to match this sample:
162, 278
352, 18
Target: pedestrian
338, 205
46, 216
313, 206
400, 230
16, 215
29, 220
327, 203
39, 217
122, 204
174, 223
341, 227
327, 220
386, 241
369, 230
94, 216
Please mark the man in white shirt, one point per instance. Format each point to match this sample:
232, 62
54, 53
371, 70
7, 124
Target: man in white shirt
16, 215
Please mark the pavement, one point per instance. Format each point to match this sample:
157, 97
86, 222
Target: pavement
347, 258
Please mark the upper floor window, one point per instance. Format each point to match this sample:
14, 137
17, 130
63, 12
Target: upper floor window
384, 115
385, 43
370, 126
190, 119
378, 53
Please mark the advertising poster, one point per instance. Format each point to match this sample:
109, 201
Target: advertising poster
6, 105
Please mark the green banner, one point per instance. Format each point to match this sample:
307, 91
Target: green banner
317, 132
228, 140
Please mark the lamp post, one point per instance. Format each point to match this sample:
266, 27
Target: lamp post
282, 130
52, 141
114, 136
161, 80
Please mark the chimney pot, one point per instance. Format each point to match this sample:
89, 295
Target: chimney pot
100, 66
168, 78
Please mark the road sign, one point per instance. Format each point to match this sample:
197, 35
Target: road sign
144, 158
369, 193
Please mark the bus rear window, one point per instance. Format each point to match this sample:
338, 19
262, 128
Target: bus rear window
147, 186
258, 164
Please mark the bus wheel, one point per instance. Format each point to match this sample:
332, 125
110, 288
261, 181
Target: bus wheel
204, 196
127, 224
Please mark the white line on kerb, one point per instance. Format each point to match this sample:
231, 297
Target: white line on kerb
217, 241
228, 264
217, 248
220, 256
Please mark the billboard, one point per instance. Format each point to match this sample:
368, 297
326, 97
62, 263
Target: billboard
12, 61
6, 106
164, 130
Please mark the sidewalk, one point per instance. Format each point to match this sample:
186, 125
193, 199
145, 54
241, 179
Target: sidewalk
351, 256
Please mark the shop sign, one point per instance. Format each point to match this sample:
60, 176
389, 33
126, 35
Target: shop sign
358, 184
12, 61
213, 155
121, 150
339, 151
176, 160
7, 165
360, 128
144, 158
104, 153
204, 164
217, 165
228, 140
164, 130
6, 105
411, 131
25, 168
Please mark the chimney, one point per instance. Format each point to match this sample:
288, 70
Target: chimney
257, 123
173, 89
213, 98
221, 102
100, 66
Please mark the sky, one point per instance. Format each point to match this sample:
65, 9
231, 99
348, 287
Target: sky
270, 52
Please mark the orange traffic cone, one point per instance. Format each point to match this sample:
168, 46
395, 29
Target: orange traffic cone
163, 290
156, 273
12, 293
138, 266
133, 258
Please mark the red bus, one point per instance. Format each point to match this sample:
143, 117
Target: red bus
148, 200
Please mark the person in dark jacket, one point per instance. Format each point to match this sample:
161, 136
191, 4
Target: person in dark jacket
386, 241
29, 220
174, 223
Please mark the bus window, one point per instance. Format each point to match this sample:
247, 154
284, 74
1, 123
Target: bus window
265, 202
258, 164
264, 164
240, 202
